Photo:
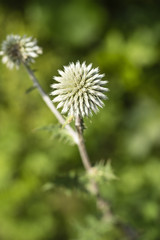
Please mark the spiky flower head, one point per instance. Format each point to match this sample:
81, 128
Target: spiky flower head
17, 49
79, 89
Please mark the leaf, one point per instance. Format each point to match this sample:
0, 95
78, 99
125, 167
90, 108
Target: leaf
57, 132
102, 172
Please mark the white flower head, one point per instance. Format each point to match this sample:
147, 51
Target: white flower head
79, 89
17, 49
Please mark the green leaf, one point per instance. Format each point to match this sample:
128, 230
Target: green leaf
58, 132
102, 172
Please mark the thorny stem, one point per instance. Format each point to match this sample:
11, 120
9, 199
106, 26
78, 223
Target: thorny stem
49, 103
101, 203
81, 144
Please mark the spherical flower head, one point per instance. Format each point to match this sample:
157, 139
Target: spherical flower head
17, 49
79, 89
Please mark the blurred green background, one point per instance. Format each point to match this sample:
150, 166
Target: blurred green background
123, 39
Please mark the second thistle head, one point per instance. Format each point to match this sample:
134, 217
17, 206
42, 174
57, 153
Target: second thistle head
80, 89
17, 49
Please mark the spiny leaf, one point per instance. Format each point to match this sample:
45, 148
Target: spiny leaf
57, 132
102, 172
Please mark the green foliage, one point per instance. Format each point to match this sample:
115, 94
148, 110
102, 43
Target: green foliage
43, 192
101, 173
102, 229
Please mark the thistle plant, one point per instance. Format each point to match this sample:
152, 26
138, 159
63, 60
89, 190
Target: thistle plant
79, 92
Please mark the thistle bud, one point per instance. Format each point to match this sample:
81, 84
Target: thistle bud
17, 49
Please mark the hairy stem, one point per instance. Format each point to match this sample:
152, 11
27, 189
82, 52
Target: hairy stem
102, 204
81, 144
49, 103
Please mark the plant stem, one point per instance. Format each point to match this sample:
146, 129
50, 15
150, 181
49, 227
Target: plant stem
49, 103
81, 144
102, 204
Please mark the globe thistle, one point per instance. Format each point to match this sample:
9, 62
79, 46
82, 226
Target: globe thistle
79, 89
17, 49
